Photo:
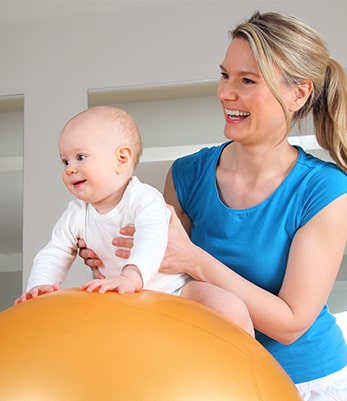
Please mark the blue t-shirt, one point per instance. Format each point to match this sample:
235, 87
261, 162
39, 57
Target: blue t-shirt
255, 243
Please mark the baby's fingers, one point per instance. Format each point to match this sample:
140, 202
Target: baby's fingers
90, 286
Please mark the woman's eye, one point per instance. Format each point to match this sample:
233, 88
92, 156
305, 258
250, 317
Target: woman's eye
248, 81
224, 75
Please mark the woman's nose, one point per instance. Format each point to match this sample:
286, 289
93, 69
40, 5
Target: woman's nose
227, 91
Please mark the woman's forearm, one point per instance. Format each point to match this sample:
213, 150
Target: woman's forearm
270, 314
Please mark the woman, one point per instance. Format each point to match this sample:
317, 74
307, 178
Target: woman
262, 219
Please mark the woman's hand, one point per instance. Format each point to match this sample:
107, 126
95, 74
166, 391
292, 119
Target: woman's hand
181, 253
90, 259
180, 256
123, 244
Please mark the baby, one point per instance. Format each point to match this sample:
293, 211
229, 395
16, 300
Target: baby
99, 149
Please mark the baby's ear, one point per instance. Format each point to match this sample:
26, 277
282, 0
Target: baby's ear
123, 158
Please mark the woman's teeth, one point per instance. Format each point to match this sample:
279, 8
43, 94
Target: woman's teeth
237, 113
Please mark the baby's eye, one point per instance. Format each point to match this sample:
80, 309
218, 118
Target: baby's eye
80, 157
65, 162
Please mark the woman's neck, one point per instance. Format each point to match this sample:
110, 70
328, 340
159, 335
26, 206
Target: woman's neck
259, 162
247, 176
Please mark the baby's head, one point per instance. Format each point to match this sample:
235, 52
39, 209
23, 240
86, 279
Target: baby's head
100, 148
109, 125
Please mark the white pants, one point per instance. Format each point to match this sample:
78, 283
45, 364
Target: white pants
329, 388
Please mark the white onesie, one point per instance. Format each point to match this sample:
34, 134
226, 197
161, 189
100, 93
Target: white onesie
141, 205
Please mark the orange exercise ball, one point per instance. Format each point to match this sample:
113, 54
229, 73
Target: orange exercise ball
77, 346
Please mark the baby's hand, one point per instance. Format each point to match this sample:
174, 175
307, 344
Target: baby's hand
120, 284
37, 291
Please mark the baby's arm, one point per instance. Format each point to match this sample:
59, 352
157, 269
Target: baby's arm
52, 263
37, 291
129, 280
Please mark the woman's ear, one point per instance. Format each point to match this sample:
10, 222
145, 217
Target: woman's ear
123, 158
302, 92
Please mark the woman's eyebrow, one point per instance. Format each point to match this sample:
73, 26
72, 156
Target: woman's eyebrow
243, 72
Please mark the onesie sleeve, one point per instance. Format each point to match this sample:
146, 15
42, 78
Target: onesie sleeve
151, 219
52, 263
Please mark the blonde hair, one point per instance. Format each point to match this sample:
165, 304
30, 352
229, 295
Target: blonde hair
300, 53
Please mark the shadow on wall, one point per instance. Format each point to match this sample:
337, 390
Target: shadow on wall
10, 288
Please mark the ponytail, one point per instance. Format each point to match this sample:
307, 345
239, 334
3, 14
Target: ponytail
330, 114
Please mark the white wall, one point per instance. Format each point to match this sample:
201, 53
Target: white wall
54, 51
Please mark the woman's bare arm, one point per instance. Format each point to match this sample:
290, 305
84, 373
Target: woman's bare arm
314, 260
